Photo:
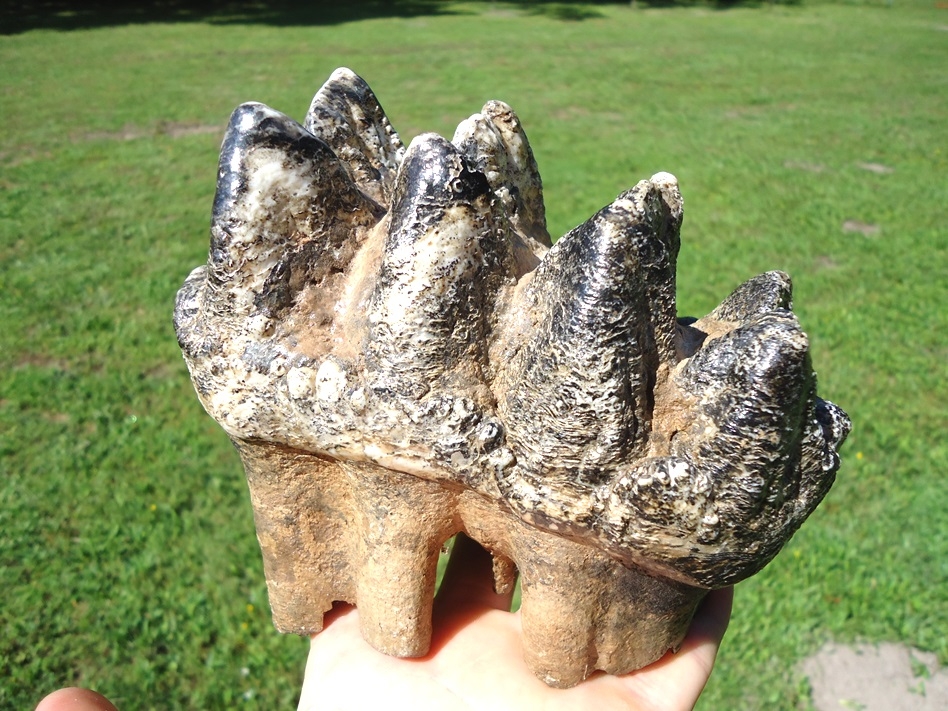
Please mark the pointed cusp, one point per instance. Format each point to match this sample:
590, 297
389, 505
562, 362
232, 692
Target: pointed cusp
726, 499
444, 258
826, 429
756, 393
580, 389
764, 293
346, 114
496, 144
286, 212
754, 385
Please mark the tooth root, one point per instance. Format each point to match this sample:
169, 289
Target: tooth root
402, 522
764, 293
286, 212
346, 114
301, 507
505, 573
580, 389
444, 257
496, 144
573, 624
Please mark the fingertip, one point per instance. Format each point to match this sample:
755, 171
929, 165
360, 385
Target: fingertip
75, 699
713, 616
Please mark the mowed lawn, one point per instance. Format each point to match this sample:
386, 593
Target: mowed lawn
812, 139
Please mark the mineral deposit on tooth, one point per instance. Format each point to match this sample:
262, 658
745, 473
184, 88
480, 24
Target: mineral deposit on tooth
399, 353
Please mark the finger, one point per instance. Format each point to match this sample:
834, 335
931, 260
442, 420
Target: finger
74, 699
677, 679
468, 582
709, 625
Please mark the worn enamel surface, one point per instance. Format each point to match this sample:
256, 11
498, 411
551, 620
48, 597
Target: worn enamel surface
400, 354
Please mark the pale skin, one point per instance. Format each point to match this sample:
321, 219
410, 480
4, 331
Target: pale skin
476, 661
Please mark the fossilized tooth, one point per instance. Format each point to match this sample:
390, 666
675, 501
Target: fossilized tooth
495, 144
399, 355
577, 394
346, 114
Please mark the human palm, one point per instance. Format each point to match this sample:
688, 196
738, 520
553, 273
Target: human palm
476, 662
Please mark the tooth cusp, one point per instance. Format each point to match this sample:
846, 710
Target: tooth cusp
346, 114
430, 305
286, 212
580, 389
762, 294
496, 144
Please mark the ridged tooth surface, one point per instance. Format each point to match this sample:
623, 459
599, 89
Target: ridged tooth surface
719, 507
764, 293
578, 393
826, 429
346, 114
444, 259
496, 144
285, 212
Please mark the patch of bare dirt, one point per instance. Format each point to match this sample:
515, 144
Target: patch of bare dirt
130, 132
864, 228
883, 677
41, 360
876, 168
803, 165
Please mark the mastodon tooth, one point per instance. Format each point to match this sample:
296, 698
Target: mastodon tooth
443, 259
346, 114
580, 389
399, 354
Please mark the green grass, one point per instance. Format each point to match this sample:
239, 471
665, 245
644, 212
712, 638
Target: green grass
127, 555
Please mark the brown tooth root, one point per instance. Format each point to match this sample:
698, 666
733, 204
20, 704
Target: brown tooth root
303, 511
401, 525
399, 355
573, 623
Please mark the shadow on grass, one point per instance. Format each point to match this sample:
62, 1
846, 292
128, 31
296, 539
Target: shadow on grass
16, 17
26, 15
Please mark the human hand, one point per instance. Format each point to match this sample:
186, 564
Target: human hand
476, 660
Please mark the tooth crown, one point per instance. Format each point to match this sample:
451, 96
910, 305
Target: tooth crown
399, 354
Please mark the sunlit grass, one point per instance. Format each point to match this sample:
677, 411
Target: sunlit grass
127, 553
